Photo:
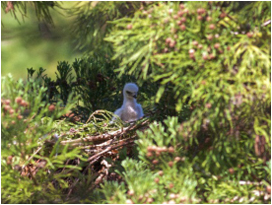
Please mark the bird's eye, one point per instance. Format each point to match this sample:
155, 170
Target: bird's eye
128, 92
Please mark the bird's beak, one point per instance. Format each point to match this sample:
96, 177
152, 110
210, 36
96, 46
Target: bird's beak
135, 96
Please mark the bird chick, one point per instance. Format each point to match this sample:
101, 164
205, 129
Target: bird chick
130, 110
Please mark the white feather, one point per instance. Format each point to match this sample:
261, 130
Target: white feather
130, 110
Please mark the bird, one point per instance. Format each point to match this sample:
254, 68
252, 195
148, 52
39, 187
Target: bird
130, 110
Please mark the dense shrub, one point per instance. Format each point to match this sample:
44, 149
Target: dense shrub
205, 57
203, 69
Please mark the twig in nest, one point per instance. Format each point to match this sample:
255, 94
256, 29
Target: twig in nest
131, 141
96, 112
105, 136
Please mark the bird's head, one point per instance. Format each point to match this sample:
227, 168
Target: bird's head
130, 91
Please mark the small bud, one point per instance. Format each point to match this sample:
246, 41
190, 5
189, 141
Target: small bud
177, 159
212, 26
140, 197
183, 19
205, 56
180, 13
223, 15
149, 154
179, 22
18, 100
268, 189
149, 16
159, 149
168, 40
192, 56
231, 171
201, 11
191, 51
9, 159
228, 48
175, 17
208, 105
195, 43
150, 200
130, 192
7, 107
181, 6
164, 149
211, 56
171, 149
200, 46
210, 37
199, 17
11, 111
129, 201
217, 45
151, 148
156, 180
13, 122
165, 50
155, 161
208, 18
51, 108
129, 26
171, 185
172, 196
19, 117
170, 164
172, 44
160, 173
171, 202
216, 35
249, 34
170, 11
183, 27
22, 103
7, 102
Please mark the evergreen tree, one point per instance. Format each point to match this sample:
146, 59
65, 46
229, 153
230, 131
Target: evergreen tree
203, 69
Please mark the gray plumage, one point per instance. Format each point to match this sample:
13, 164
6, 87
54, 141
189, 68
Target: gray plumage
130, 110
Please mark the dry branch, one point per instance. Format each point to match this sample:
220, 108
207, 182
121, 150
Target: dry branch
105, 136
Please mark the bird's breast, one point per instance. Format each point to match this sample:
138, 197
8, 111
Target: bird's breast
130, 113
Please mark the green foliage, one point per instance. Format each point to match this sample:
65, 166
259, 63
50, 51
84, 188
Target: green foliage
222, 79
94, 83
202, 55
203, 68
23, 133
42, 9
94, 17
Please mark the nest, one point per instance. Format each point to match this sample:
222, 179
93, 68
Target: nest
97, 146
